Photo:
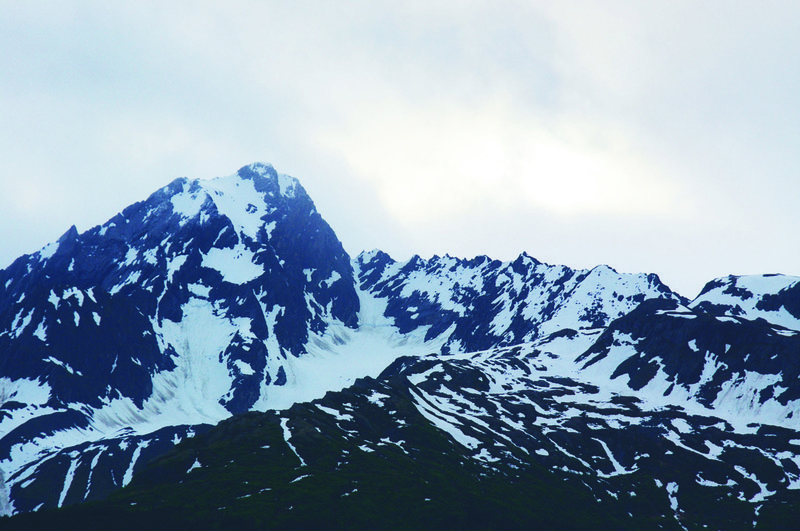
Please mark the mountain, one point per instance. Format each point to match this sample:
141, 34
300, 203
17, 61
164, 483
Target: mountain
215, 351
181, 310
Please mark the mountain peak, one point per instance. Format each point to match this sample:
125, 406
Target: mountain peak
253, 199
260, 168
267, 178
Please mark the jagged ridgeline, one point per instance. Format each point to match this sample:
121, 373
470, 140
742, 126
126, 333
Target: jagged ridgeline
216, 352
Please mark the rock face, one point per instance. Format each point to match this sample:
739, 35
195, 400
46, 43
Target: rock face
215, 298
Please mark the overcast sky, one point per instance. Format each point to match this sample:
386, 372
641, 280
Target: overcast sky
655, 136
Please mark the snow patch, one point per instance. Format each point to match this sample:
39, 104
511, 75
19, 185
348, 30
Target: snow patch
73, 466
48, 251
195, 465
234, 264
334, 413
65, 366
244, 367
287, 185
174, 265
287, 435
187, 204
199, 290
672, 493
239, 201
437, 418
126, 479
41, 332
20, 323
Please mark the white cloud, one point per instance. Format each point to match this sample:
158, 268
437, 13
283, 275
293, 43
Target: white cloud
433, 163
636, 133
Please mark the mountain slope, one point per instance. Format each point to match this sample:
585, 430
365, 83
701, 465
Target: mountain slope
450, 383
492, 440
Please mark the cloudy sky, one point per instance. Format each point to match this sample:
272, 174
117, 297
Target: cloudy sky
657, 136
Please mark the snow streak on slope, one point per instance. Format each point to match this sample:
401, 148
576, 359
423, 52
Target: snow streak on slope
508, 407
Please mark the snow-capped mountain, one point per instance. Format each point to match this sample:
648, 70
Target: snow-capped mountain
482, 303
181, 310
215, 298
